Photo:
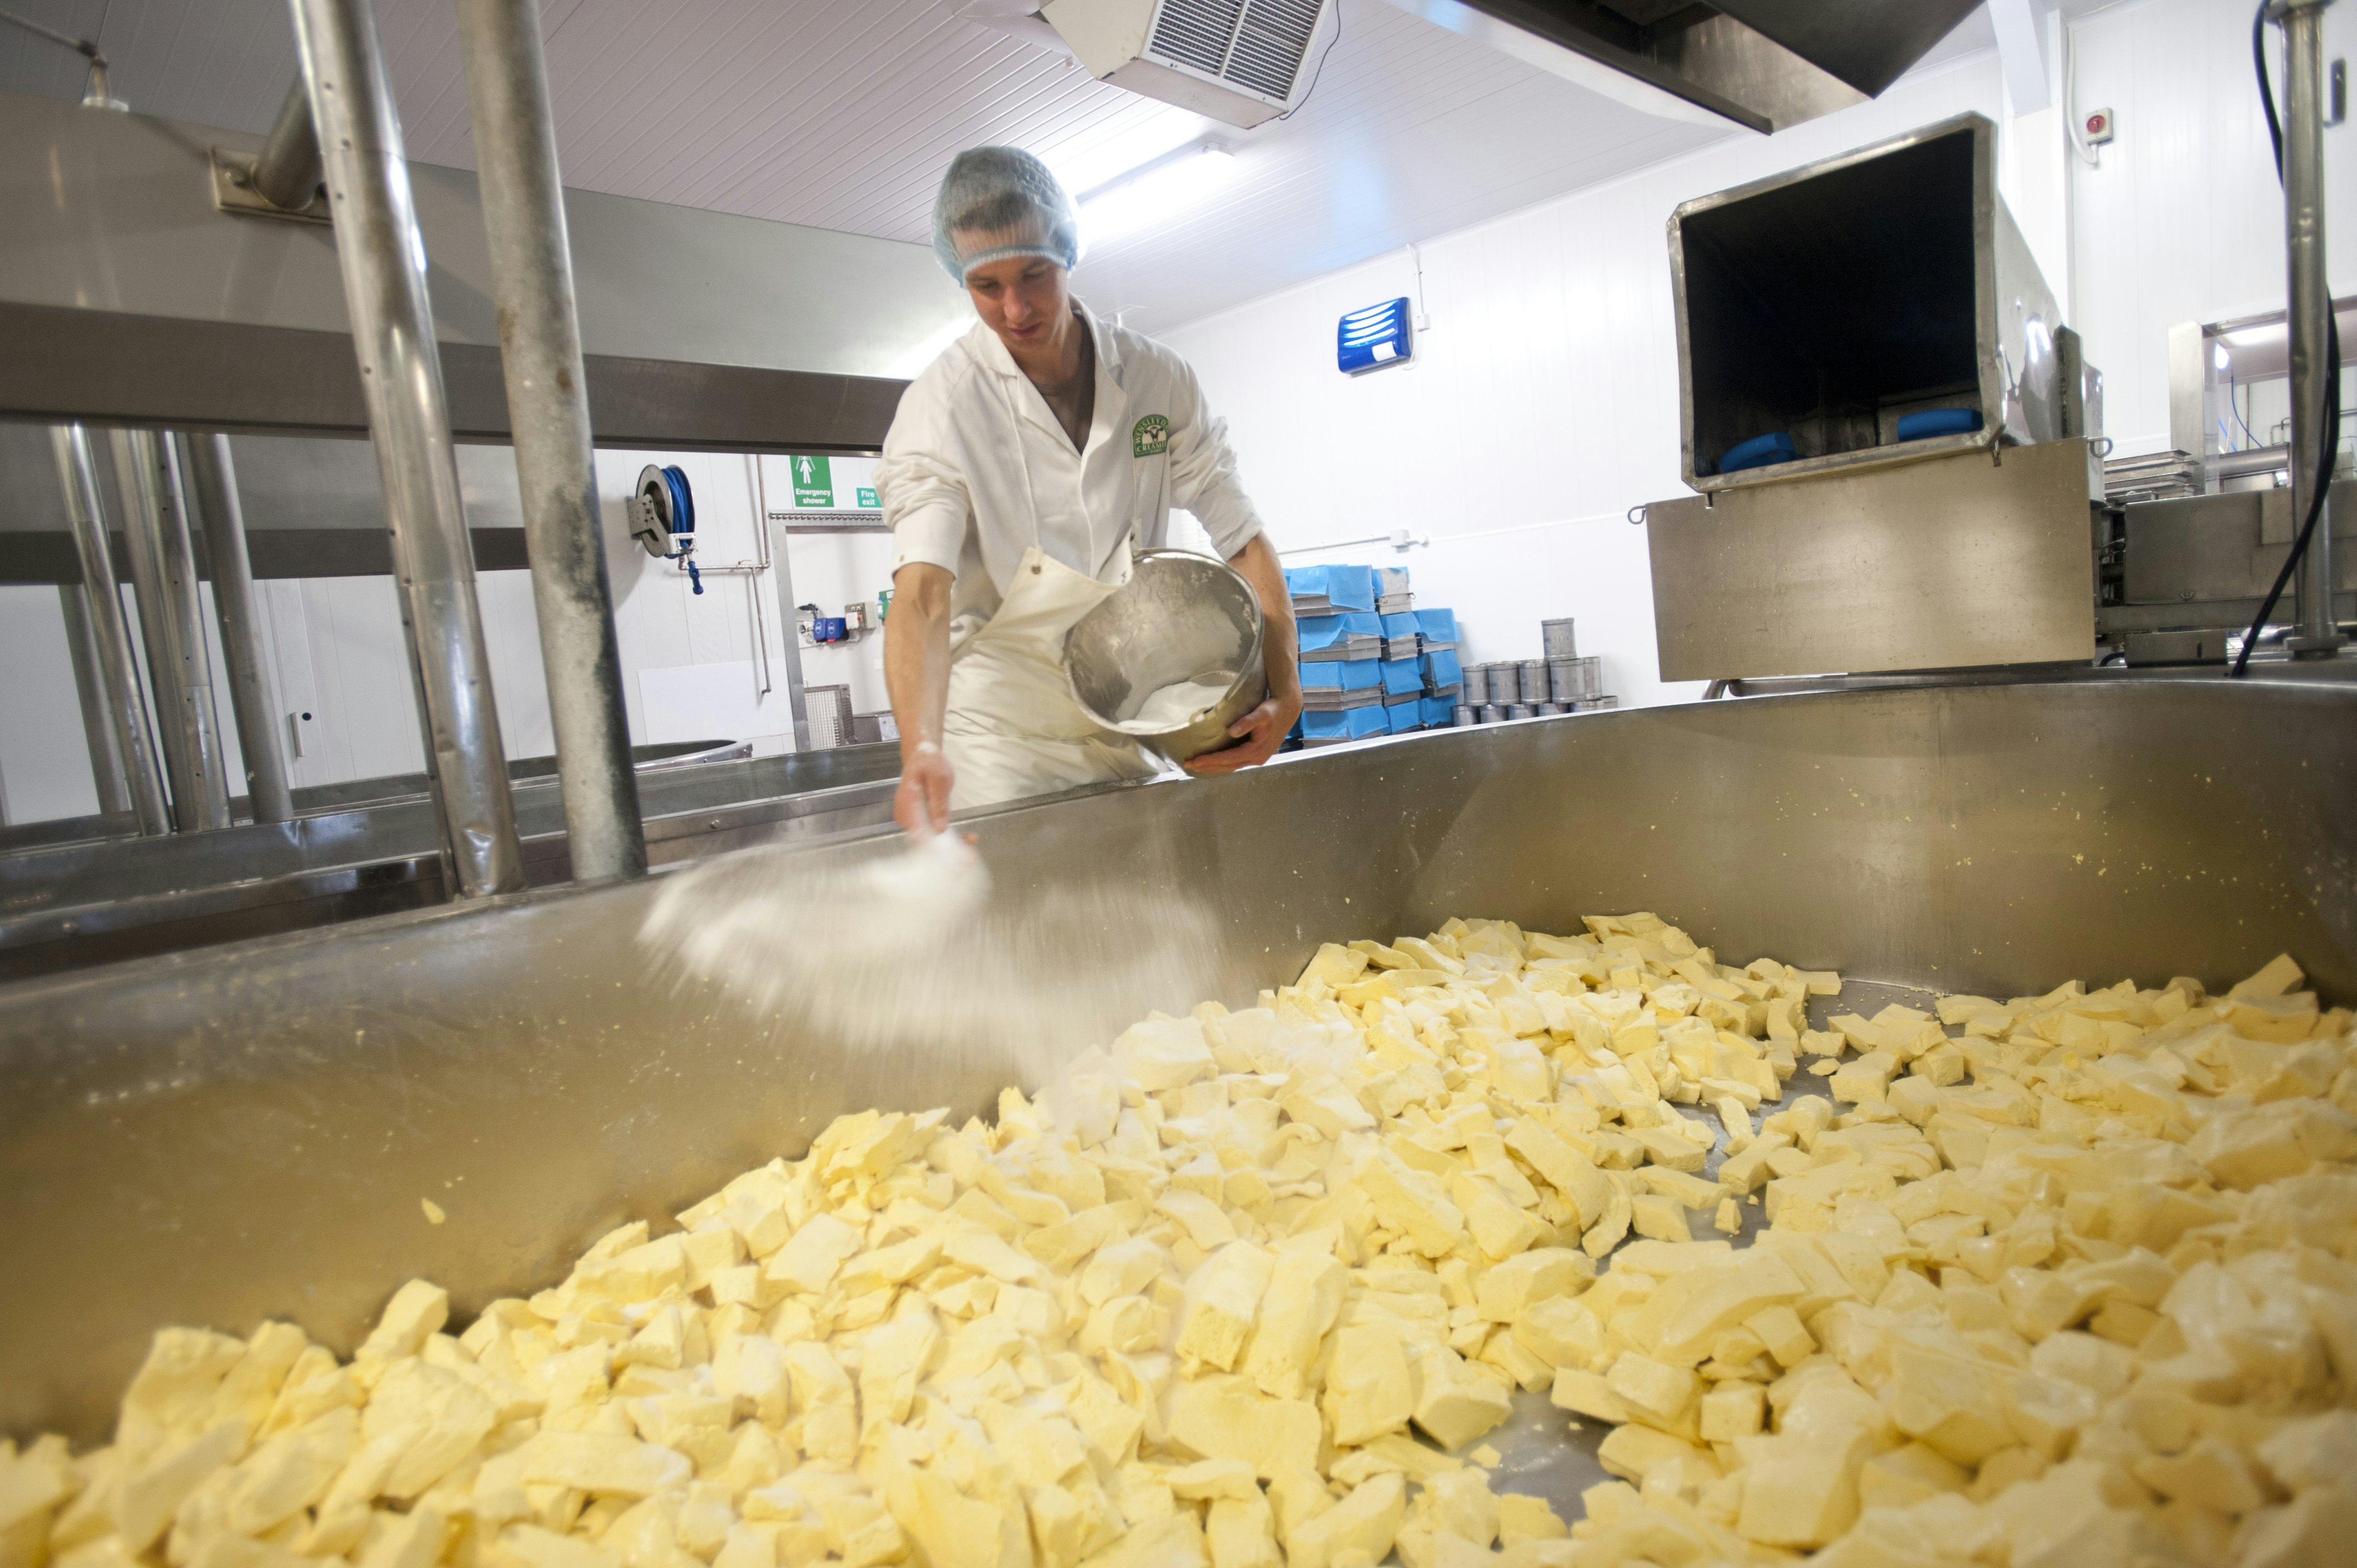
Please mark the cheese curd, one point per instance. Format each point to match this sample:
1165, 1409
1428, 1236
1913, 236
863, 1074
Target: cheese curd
2063, 1279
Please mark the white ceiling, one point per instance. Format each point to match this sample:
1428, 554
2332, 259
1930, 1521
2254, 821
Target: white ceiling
842, 113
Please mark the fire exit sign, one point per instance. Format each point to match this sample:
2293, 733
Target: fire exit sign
813, 482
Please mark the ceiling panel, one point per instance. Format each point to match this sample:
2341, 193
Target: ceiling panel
843, 116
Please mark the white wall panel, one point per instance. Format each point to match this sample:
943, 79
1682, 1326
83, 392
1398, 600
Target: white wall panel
1541, 405
368, 699
309, 751
519, 681
44, 761
2180, 218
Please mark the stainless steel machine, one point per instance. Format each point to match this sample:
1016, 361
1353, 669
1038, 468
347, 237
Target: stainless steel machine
1890, 430
2195, 536
1897, 447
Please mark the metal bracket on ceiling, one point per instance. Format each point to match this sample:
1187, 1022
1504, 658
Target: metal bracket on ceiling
233, 191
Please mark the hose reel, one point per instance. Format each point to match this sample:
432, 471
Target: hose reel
663, 516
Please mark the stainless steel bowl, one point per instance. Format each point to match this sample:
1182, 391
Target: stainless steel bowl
1179, 618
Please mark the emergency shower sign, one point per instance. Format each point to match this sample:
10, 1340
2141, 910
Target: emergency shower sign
814, 484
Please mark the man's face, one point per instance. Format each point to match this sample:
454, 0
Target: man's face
1021, 298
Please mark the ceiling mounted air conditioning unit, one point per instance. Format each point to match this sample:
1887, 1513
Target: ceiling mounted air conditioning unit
1240, 62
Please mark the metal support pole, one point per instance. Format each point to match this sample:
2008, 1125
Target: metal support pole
126, 712
89, 690
383, 258
214, 474
286, 171
171, 625
779, 549
548, 405
2311, 311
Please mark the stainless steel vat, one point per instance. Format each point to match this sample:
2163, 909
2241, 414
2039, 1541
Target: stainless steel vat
216, 1137
70, 905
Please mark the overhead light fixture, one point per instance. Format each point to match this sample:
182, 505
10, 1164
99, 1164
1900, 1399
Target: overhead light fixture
2265, 332
1112, 150
1155, 191
2219, 357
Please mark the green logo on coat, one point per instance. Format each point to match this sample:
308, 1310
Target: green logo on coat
1150, 437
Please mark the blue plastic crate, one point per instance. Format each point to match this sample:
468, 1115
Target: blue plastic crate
1317, 632
1327, 726
1344, 587
1343, 674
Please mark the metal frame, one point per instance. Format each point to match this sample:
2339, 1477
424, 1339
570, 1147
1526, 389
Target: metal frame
540, 341
384, 260
112, 367
2308, 297
283, 179
171, 625
214, 474
126, 713
91, 693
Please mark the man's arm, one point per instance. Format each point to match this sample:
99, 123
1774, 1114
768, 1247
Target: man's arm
1260, 732
917, 674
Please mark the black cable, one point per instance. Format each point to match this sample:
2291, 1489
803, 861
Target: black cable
2327, 456
1321, 65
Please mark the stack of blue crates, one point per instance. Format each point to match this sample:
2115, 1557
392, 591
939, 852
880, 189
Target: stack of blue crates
1367, 670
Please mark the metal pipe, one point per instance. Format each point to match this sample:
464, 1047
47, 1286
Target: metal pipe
286, 171
215, 476
171, 625
782, 561
548, 407
2310, 312
95, 94
89, 690
2251, 460
126, 712
383, 258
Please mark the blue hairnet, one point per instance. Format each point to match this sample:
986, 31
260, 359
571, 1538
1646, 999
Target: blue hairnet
998, 202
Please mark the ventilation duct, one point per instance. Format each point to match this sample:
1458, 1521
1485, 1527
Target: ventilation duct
1762, 64
1239, 61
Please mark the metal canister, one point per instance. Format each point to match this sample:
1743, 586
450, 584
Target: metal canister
1548, 709
1574, 680
1491, 713
1462, 716
1473, 681
1522, 711
1556, 634
1533, 675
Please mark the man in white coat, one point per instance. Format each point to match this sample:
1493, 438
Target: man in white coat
1023, 469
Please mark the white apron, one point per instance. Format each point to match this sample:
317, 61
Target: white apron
1012, 729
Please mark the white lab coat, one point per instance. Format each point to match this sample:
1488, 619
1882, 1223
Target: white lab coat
977, 474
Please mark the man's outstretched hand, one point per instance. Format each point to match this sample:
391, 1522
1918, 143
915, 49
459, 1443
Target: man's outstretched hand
921, 804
